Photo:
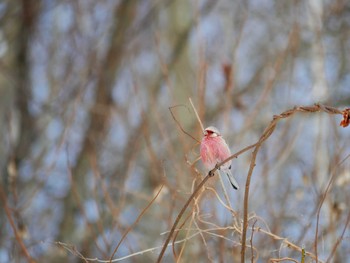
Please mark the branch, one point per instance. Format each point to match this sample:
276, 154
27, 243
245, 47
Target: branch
179, 217
133, 225
12, 223
194, 195
287, 242
195, 111
267, 133
177, 122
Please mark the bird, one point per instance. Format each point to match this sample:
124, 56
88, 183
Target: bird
213, 150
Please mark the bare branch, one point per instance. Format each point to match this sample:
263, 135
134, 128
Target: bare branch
135, 223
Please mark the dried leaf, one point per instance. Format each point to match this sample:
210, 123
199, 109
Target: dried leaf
346, 118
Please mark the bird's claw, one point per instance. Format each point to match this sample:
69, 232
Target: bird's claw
211, 173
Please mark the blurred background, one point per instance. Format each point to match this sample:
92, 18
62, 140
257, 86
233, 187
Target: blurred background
88, 139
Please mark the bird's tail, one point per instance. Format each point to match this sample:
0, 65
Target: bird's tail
232, 179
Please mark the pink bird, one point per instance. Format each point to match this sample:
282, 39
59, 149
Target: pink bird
215, 150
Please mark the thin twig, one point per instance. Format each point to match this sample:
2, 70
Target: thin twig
179, 217
195, 111
340, 238
194, 194
246, 193
175, 236
266, 134
191, 215
283, 259
72, 249
136, 221
286, 242
225, 192
331, 180
177, 122
12, 223
229, 208
251, 240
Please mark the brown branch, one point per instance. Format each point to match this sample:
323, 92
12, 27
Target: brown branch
178, 257
286, 242
266, 134
179, 217
251, 240
282, 259
177, 122
12, 223
268, 131
175, 236
322, 201
195, 111
194, 194
134, 224
339, 239
99, 114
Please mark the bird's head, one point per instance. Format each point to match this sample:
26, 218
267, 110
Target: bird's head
211, 131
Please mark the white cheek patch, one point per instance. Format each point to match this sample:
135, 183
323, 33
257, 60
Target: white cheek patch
214, 135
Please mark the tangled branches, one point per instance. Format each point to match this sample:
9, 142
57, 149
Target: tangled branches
256, 146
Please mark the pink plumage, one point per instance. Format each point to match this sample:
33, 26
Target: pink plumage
214, 150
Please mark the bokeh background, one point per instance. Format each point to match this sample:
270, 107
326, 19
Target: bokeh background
88, 139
